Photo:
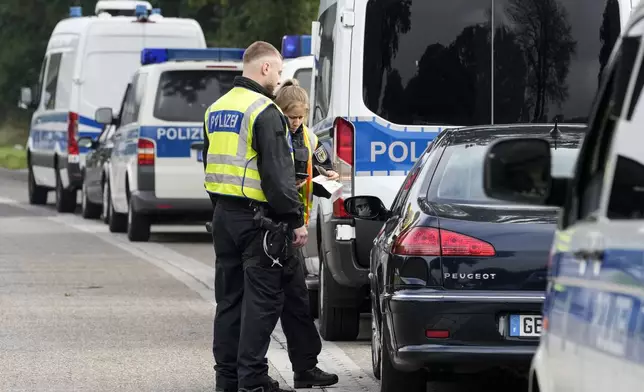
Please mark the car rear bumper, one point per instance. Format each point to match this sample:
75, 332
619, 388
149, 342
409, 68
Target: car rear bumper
478, 325
146, 202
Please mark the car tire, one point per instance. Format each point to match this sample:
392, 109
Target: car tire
37, 194
65, 199
117, 222
89, 210
393, 380
138, 225
376, 354
336, 323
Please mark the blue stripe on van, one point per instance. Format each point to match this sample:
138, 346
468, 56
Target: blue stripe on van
173, 141
385, 149
609, 318
43, 137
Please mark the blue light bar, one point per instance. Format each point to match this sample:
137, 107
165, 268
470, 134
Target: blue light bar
141, 10
162, 55
156, 11
75, 12
296, 46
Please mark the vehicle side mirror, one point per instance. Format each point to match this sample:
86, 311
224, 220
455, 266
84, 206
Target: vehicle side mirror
26, 98
87, 142
366, 207
518, 170
104, 116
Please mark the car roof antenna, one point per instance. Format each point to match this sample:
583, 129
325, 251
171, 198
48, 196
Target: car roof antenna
555, 133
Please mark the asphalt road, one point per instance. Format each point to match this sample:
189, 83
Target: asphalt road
82, 309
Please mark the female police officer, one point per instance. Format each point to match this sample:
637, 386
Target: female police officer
303, 340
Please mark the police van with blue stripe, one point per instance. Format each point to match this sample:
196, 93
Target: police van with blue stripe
87, 65
391, 74
156, 168
592, 336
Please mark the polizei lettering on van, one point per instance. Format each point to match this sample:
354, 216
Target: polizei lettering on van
192, 133
399, 151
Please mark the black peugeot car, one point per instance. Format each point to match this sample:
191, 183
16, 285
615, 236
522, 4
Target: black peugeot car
458, 279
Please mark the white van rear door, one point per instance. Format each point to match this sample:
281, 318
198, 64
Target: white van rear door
179, 107
113, 54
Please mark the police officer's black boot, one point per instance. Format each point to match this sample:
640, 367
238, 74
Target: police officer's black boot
314, 378
273, 387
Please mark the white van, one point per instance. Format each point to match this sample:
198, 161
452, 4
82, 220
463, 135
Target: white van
88, 64
155, 170
391, 74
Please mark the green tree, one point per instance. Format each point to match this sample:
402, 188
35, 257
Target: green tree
25, 27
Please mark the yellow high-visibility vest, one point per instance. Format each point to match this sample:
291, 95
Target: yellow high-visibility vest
306, 192
231, 168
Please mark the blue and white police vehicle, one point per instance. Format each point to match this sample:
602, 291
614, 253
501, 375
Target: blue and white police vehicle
156, 169
592, 330
391, 74
88, 63
298, 61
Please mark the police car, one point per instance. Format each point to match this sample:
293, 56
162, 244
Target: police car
156, 169
298, 61
592, 336
87, 65
390, 76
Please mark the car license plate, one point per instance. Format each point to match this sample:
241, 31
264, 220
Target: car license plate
525, 325
200, 155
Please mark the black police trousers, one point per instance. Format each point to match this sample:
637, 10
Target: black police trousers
251, 295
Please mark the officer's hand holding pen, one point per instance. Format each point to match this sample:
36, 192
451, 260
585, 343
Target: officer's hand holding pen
300, 236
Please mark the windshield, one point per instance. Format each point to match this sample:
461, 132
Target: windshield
431, 61
459, 175
184, 96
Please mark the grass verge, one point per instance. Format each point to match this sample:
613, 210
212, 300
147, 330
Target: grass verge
13, 132
11, 158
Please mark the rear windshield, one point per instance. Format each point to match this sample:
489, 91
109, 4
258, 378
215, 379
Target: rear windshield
184, 96
439, 62
459, 175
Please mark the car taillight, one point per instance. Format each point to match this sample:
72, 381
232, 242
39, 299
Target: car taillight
429, 241
343, 162
72, 133
145, 149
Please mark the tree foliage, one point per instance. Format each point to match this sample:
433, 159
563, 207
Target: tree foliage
25, 27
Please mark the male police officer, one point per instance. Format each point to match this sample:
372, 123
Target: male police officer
250, 170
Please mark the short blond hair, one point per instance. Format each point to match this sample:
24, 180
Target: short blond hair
258, 50
290, 95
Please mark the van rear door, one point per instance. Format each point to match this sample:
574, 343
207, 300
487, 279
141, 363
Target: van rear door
181, 100
112, 55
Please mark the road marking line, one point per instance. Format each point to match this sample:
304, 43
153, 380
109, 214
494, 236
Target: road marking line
200, 278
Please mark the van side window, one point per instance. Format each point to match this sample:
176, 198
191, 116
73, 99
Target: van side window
41, 81
128, 115
51, 81
626, 200
325, 65
139, 91
594, 156
304, 77
637, 91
